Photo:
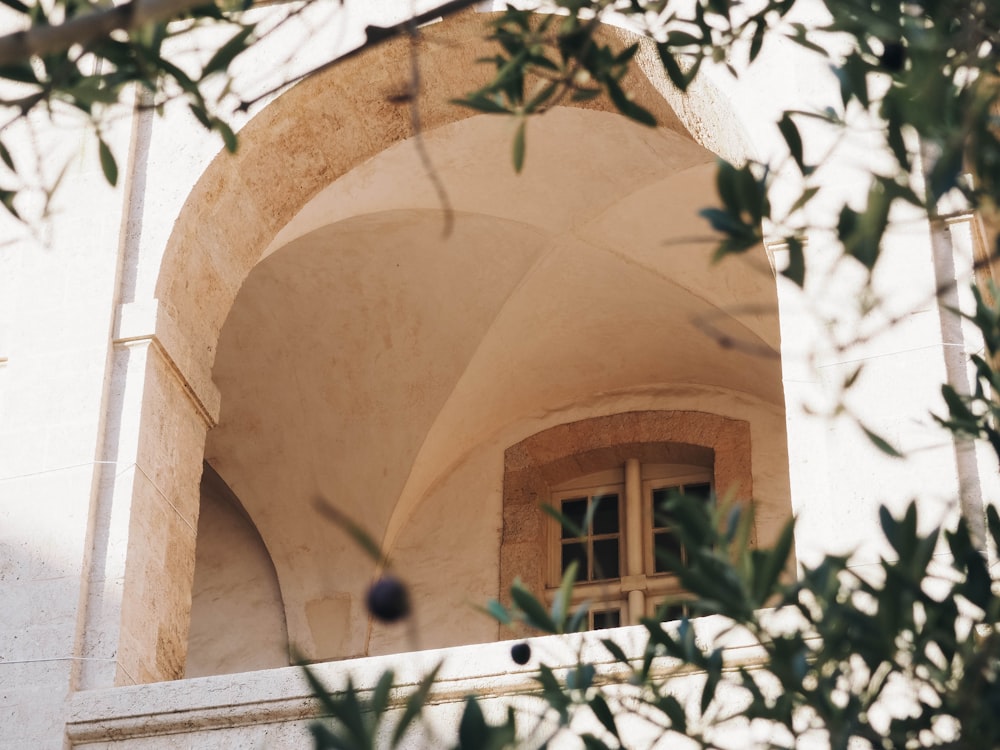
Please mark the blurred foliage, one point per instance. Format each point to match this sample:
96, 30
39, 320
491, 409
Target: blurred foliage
89, 78
906, 654
922, 78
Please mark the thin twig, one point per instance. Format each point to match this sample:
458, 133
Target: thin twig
418, 135
374, 36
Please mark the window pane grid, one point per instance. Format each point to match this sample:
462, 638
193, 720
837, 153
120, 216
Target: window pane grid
598, 552
662, 537
604, 552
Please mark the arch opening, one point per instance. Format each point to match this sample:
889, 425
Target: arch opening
365, 358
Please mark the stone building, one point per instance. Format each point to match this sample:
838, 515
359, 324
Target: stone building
190, 360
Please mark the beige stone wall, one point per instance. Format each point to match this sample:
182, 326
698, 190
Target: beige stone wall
579, 290
237, 616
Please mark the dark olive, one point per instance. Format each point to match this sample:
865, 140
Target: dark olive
893, 56
520, 653
388, 599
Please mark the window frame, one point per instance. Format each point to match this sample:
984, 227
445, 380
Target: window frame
559, 451
556, 539
617, 593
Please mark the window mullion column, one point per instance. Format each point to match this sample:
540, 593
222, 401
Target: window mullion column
634, 563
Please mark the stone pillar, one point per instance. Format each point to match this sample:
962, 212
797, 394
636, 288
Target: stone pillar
142, 564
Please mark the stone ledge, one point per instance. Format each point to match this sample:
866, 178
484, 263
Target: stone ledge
283, 695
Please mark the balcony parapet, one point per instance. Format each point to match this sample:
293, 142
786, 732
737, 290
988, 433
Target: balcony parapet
274, 707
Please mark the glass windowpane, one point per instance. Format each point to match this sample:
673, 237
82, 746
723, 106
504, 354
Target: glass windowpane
605, 558
606, 515
575, 551
608, 618
670, 611
701, 491
665, 541
574, 510
660, 497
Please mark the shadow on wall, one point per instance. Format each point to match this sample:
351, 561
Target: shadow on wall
237, 615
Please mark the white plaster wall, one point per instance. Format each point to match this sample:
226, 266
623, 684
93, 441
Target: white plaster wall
56, 311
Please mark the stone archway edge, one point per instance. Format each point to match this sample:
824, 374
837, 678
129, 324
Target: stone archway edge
150, 322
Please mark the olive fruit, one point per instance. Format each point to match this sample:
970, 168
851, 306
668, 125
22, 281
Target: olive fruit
520, 653
388, 599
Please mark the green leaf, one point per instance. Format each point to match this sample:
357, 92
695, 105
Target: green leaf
498, 612
628, 107
947, 169
518, 147
774, 562
790, 132
580, 678
534, 613
670, 706
757, 40
682, 39
201, 115
576, 622
482, 103
7, 199
894, 131
795, 271
615, 650
228, 136
320, 692
672, 68
726, 222
472, 730
340, 519
593, 743
993, 523
346, 710
108, 164
380, 697
957, 408
6, 157
225, 55
20, 72
16, 5
553, 694
725, 185
352, 716
603, 713
324, 739
853, 80
510, 77
807, 195
881, 443
414, 705
712, 677
561, 601
543, 96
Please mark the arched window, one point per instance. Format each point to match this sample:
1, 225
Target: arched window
626, 463
618, 570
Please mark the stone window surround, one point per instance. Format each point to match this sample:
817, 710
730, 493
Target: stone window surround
557, 454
